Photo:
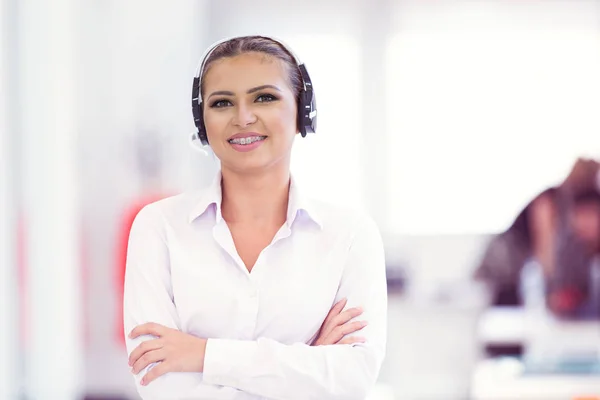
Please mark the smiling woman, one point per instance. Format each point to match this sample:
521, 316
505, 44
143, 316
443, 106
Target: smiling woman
263, 98
250, 289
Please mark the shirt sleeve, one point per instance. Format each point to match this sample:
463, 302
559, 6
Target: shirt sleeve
270, 369
148, 297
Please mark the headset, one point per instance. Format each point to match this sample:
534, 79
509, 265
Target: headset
307, 106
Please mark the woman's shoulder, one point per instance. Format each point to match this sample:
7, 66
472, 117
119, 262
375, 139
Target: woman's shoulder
170, 207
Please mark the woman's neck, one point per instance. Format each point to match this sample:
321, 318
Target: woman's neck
258, 199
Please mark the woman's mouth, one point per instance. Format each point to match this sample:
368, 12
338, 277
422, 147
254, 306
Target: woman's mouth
247, 140
248, 143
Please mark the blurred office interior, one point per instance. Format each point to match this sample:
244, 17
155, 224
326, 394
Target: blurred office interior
442, 119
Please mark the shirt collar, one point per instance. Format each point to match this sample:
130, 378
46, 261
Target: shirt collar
211, 195
299, 205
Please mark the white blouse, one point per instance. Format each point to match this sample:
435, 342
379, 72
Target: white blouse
184, 272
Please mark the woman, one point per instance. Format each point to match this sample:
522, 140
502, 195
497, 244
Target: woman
250, 289
557, 235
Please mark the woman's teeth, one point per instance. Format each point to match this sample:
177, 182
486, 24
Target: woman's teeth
247, 140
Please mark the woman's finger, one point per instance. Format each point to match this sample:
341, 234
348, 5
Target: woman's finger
329, 323
335, 310
142, 348
156, 371
352, 327
347, 315
339, 332
352, 340
147, 359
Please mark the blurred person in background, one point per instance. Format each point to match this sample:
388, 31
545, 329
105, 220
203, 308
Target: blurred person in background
552, 249
249, 289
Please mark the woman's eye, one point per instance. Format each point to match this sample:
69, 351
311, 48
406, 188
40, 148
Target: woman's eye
265, 98
220, 103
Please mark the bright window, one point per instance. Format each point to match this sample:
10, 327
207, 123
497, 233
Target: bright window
486, 108
327, 163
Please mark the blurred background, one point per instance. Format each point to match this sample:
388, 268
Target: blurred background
442, 119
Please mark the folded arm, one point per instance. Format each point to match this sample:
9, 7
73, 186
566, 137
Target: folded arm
270, 369
148, 297
263, 367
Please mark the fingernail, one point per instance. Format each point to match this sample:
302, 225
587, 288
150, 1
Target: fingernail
364, 323
143, 382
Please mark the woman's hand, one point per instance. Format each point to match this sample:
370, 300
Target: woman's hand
173, 350
337, 325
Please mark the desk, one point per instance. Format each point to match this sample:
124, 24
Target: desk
502, 326
504, 379
546, 341
515, 325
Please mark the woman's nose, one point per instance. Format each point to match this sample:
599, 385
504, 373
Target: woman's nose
244, 116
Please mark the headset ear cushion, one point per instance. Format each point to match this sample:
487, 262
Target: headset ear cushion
302, 113
308, 123
313, 124
197, 111
199, 122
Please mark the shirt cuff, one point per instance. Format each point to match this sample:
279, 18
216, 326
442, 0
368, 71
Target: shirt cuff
223, 358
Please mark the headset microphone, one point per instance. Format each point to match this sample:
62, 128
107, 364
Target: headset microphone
196, 144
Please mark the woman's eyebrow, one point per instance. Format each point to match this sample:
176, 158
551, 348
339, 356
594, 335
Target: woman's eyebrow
254, 89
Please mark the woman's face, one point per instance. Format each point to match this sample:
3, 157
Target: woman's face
249, 112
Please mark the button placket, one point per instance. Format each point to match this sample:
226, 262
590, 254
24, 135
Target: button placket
249, 306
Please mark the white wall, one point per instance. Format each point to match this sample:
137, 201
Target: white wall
489, 103
46, 110
9, 371
138, 59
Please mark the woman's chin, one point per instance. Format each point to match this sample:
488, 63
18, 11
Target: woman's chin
255, 165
